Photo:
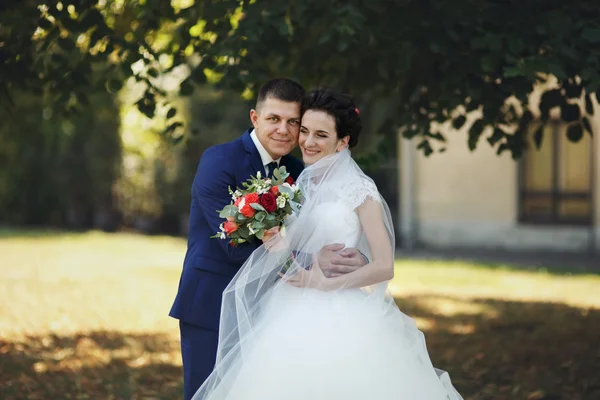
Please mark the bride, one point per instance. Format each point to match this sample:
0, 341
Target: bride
287, 331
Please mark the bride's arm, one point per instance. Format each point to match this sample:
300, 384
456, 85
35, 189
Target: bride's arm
381, 267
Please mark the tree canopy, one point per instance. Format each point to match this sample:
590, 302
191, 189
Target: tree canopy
424, 62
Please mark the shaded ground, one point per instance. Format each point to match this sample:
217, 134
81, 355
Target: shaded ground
87, 318
554, 262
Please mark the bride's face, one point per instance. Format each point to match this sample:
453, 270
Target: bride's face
318, 136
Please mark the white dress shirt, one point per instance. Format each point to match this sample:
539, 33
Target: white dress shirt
264, 154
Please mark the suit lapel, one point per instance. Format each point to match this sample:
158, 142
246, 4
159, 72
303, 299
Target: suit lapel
286, 161
253, 154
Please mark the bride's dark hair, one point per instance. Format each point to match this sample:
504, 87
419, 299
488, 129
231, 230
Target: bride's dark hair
340, 107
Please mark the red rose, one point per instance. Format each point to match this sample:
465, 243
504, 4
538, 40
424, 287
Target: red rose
275, 190
237, 201
230, 226
268, 201
290, 180
252, 198
247, 211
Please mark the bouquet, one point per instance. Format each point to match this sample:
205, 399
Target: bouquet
263, 204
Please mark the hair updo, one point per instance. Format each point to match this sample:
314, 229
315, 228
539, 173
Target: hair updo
340, 107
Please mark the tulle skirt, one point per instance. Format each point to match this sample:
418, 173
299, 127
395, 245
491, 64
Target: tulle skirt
346, 345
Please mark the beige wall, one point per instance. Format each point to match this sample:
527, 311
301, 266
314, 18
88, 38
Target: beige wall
462, 198
595, 122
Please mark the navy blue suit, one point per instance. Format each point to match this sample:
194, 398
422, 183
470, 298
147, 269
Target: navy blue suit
210, 264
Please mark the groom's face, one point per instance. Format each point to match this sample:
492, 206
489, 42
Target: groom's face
277, 125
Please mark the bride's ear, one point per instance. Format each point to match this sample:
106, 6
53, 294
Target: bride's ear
343, 143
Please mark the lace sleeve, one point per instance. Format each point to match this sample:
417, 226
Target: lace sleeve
360, 191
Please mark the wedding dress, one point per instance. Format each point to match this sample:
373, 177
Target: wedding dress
278, 341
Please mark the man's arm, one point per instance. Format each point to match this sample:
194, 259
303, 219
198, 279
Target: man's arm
334, 262
210, 192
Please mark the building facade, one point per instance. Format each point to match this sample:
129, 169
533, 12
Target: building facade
549, 200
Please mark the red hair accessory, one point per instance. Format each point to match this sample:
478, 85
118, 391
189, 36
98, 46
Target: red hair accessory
357, 112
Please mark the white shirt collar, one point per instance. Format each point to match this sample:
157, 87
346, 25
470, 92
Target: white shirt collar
264, 154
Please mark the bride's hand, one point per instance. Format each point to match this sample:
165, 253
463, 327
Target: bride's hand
312, 278
270, 233
272, 240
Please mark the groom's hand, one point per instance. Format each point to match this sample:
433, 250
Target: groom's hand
334, 262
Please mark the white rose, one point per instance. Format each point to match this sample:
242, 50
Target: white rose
281, 200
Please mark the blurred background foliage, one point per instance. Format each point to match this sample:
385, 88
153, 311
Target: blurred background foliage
108, 104
109, 166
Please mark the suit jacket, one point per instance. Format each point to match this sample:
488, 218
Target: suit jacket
210, 264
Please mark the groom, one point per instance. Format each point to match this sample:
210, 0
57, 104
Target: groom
210, 264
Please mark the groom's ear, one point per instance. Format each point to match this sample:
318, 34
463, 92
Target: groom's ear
254, 117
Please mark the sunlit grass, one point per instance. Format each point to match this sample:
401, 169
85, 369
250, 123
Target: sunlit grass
475, 281
86, 315
75, 282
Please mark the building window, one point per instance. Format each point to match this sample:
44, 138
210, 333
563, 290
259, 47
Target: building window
556, 180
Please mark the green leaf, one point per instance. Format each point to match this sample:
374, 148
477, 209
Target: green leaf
198, 76
147, 105
186, 88
260, 234
172, 127
285, 189
592, 35
572, 90
489, 63
437, 136
515, 45
557, 70
496, 136
228, 211
587, 73
114, 85
257, 225
538, 136
502, 148
425, 146
410, 133
459, 121
589, 106
511, 72
260, 216
243, 231
45, 24
550, 99
257, 207
574, 133
475, 133
172, 112
270, 217
570, 112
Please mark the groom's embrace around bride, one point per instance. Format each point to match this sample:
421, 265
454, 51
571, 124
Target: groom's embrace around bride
210, 264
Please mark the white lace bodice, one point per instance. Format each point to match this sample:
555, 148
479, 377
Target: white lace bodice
336, 220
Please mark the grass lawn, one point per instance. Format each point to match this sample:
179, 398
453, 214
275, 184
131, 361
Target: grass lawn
85, 316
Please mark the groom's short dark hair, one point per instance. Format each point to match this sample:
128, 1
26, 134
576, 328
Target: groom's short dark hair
281, 89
